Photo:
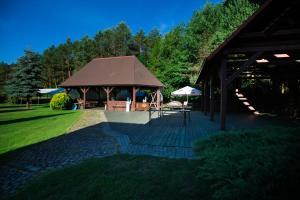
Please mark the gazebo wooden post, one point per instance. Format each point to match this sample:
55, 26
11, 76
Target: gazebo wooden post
108, 91
206, 97
223, 86
133, 98
84, 91
212, 98
158, 98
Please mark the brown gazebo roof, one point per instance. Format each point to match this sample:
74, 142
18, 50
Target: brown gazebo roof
113, 71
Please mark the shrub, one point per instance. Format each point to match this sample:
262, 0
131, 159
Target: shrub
61, 101
261, 164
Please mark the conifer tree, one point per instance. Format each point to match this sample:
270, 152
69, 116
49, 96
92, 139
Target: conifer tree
26, 79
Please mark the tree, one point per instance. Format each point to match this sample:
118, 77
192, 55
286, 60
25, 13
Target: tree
5, 74
140, 41
152, 38
84, 51
104, 43
175, 57
122, 37
26, 79
68, 56
51, 71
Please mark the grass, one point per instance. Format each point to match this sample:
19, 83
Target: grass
20, 127
118, 177
258, 165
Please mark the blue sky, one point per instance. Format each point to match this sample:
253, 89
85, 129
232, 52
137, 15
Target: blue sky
37, 24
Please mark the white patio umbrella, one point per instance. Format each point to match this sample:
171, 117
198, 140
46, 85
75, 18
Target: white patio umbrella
186, 91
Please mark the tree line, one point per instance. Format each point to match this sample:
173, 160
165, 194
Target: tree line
175, 58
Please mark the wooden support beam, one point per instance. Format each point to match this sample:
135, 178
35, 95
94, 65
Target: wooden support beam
223, 86
212, 99
133, 97
158, 98
108, 90
202, 96
84, 91
243, 67
206, 97
262, 34
246, 49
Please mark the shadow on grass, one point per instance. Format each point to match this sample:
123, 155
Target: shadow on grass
14, 110
12, 106
30, 118
24, 105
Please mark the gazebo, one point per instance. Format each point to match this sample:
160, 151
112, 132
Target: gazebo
266, 47
124, 73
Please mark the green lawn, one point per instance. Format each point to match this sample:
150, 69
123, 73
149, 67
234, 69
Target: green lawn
20, 127
119, 177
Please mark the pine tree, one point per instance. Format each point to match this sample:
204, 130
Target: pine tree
26, 79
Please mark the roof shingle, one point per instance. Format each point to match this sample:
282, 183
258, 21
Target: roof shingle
113, 71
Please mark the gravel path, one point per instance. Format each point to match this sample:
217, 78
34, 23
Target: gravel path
84, 140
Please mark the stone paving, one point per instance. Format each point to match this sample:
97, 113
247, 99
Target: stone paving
167, 136
84, 140
125, 144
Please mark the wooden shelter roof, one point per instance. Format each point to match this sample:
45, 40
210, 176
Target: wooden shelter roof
273, 29
113, 71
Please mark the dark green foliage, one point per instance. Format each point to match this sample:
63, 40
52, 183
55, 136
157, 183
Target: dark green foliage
261, 164
26, 78
5, 75
61, 101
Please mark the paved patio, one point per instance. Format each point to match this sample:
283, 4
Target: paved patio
167, 136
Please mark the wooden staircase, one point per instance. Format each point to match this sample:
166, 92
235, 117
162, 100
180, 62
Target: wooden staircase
245, 102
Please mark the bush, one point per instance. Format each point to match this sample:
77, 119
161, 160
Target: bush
261, 164
61, 101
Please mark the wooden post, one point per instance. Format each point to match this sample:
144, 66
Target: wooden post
212, 99
158, 98
108, 91
223, 86
206, 97
133, 97
84, 91
202, 97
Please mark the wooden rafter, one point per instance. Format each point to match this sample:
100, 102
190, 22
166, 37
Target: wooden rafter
261, 34
243, 67
282, 47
